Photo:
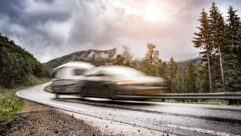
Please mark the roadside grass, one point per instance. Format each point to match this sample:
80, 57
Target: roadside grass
199, 101
10, 105
48, 88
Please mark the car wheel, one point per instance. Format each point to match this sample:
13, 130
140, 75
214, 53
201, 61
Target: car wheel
83, 91
57, 96
107, 92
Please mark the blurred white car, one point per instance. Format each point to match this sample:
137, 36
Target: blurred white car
68, 77
118, 82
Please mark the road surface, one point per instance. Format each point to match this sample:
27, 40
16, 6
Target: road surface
180, 119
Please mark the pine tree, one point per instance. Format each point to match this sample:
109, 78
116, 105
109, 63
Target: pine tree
238, 47
201, 82
232, 51
150, 61
172, 72
152, 55
190, 78
202, 40
119, 60
233, 28
217, 33
124, 59
161, 68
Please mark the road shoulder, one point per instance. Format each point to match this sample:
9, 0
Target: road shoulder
38, 119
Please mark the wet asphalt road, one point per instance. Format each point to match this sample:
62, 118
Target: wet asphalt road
180, 119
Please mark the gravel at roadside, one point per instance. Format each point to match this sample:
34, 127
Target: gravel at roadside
47, 122
41, 120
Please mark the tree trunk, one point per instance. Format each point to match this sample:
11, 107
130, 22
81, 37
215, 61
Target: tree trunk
221, 65
209, 73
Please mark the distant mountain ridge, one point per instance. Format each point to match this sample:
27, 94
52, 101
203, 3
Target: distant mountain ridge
183, 64
194, 60
97, 57
100, 57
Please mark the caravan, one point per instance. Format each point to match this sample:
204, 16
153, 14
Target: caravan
69, 76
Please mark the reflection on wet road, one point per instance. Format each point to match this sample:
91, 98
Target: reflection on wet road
180, 119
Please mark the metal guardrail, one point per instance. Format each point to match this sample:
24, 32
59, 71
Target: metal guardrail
221, 95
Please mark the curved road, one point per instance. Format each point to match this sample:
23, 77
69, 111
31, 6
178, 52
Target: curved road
180, 119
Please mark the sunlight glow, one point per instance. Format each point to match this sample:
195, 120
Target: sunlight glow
154, 13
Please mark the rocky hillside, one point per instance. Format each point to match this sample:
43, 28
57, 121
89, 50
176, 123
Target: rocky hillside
97, 57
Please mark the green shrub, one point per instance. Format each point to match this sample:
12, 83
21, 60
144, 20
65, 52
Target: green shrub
9, 107
48, 88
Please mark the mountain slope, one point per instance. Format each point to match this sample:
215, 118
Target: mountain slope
97, 57
17, 66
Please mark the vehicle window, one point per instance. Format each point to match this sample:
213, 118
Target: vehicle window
97, 73
101, 74
78, 72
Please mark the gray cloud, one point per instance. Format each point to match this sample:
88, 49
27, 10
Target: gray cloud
51, 28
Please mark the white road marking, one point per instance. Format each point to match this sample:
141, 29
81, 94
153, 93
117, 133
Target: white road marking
53, 104
211, 132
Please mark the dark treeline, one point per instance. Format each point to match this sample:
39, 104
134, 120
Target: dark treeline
18, 66
219, 40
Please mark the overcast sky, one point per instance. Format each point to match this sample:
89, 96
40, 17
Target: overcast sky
52, 28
